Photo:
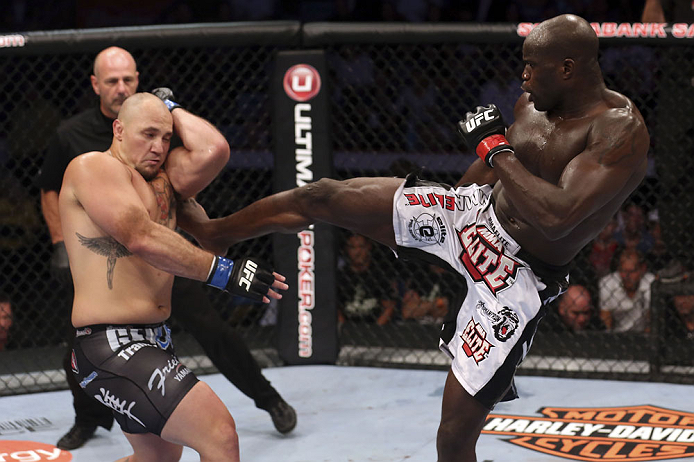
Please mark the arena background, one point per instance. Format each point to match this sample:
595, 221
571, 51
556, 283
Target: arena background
395, 94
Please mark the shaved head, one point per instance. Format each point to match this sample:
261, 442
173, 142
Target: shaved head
113, 56
561, 64
566, 36
142, 106
576, 308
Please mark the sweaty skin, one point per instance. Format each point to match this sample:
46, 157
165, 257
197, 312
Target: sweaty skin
569, 176
118, 213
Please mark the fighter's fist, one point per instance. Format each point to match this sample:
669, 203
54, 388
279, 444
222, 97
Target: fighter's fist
166, 95
484, 131
247, 277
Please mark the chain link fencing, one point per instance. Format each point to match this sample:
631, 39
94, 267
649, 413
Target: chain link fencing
396, 95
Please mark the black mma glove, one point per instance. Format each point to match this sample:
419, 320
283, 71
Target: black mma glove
247, 277
60, 265
166, 95
485, 132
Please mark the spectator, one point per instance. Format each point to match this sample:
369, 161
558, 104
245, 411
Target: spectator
632, 232
364, 293
659, 255
6, 319
679, 320
116, 78
574, 312
429, 295
625, 295
603, 249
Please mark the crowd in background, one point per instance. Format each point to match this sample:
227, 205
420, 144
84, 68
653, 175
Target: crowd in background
26, 15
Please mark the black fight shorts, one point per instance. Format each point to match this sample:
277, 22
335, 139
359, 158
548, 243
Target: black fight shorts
134, 371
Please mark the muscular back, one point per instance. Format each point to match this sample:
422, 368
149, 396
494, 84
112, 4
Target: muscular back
596, 160
111, 284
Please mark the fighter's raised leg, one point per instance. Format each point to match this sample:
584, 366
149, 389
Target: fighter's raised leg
362, 205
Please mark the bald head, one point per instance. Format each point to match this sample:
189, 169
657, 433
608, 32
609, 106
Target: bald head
143, 106
115, 78
113, 56
561, 72
576, 308
566, 36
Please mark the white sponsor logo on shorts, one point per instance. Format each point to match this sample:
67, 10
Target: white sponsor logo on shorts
173, 364
128, 352
121, 407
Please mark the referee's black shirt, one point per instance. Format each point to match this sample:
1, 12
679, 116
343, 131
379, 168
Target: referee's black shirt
86, 131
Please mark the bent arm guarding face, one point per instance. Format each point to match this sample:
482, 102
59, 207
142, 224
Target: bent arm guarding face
204, 153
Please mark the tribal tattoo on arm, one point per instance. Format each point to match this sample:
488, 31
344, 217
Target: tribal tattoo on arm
108, 247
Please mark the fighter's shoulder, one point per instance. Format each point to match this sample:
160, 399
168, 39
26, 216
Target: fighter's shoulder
623, 120
94, 164
619, 132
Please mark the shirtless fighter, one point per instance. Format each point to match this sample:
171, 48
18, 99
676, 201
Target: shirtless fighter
560, 172
118, 214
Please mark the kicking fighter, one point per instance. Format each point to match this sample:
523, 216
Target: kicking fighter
560, 172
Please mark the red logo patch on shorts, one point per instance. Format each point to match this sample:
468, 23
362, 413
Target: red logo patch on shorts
484, 258
475, 343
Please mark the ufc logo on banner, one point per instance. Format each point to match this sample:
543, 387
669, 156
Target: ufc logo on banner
248, 274
302, 87
473, 123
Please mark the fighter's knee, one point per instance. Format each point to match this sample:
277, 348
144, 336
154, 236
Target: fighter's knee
318, 193
226, 438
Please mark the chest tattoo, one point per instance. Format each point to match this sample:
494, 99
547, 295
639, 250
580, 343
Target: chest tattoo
108, 247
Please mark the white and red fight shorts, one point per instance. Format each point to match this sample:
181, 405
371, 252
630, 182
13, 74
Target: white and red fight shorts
487, 333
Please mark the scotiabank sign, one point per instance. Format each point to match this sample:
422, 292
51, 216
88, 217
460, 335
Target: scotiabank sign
625, 434
31, 451
629, 30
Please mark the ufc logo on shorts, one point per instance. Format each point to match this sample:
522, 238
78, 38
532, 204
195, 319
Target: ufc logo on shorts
248, 274
473, 123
